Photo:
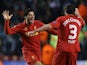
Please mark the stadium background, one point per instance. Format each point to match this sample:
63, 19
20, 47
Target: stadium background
46, 11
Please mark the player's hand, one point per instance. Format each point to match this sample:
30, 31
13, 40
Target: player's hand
38, 63
6, 15
26, 33
77, 13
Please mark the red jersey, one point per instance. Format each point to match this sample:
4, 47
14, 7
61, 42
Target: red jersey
28, 42
31, 44
69, 27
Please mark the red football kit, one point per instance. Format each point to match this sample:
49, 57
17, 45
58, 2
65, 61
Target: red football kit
68, 46
31, 44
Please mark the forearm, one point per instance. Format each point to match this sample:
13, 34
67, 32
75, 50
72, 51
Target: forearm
43, 28
77, 13
7, 28
52, 31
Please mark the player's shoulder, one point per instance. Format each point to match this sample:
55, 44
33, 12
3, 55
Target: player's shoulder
38, 21
21, 24
60, 17
17, 25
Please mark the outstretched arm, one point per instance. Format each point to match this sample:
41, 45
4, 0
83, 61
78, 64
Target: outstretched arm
52, 31
7, 28
55, 24
77, 13
43, 28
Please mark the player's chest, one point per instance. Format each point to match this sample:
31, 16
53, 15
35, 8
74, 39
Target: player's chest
29, 28
26, 29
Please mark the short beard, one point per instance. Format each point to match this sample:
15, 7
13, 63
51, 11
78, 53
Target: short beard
28, 22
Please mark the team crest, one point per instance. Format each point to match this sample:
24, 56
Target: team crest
25, 28
35, 28
36, 32
33, 57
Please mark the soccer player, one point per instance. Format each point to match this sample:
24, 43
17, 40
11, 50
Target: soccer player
69, 27
31, 44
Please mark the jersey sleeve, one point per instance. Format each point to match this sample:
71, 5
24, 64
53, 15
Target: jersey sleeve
56, 23
12, 30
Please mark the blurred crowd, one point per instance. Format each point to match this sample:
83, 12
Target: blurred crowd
46, 11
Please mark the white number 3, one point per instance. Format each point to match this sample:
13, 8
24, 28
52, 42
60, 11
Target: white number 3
73, 32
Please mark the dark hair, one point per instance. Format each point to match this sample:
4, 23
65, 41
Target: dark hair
69, 8
27, 11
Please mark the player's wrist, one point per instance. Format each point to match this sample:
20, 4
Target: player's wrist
7, 19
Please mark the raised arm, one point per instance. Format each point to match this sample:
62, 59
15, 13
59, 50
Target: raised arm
52, 31
55, 24
77, 13
7, 28
43, 28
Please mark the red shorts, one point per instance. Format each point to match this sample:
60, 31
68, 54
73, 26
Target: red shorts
31, 57
64, 58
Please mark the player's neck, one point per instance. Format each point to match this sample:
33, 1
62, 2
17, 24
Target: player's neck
29, 22
69, 14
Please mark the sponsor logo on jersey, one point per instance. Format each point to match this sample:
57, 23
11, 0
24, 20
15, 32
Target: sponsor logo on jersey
36, 32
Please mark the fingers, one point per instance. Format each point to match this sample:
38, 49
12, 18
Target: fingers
6, 12
11, 15
77, 13
77, 10
3, 13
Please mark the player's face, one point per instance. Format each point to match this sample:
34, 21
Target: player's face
31, 16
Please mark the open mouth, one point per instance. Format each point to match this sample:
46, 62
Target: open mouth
32, 18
